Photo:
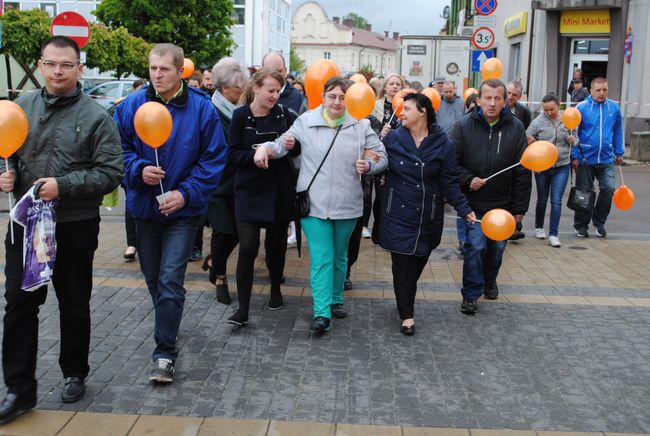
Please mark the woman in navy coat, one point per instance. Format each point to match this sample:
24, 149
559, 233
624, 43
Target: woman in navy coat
422, 174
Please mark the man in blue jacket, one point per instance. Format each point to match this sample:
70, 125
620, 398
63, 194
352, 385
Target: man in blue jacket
601, 145
190, 166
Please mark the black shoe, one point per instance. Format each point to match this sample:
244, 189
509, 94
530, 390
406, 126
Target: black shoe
223, 296
162, 371
73, 389
238, 319
212, 277
275, 300
491, 291
128, 255
347, 285
338, 311
196, 255
320, 325
468, 307
408, 330
582, 233
600, 231
12, 406
517, 235
283, 279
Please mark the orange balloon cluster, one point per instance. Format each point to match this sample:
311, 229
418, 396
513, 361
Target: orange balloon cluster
491, 69
539, 156
498, 224
188, 68
468, 92
13, 128
317, 75
398, 100
360, 100
153, 124
623, 198
434, 96
571, 118
358, 78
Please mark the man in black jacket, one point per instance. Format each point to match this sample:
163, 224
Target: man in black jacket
488, 140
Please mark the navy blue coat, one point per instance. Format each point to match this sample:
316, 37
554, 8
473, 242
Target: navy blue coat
419, 180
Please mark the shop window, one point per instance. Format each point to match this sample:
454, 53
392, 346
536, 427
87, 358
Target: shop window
591, 46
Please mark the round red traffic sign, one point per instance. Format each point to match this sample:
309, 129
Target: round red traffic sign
72, 25
483, 38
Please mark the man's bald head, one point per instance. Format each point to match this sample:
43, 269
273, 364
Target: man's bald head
276, 61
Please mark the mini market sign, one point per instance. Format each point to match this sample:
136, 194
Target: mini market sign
585, 21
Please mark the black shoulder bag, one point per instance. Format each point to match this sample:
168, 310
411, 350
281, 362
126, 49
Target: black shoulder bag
301, 204
581, 200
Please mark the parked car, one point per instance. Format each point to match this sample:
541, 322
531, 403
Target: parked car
106, 93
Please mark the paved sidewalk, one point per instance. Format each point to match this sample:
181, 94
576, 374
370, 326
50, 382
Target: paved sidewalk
565, 348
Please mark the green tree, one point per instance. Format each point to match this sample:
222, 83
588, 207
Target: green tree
117, 50
200, 27
23, 32
359, 21
296, 63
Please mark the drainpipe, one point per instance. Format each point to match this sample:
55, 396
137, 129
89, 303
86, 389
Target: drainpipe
530, 49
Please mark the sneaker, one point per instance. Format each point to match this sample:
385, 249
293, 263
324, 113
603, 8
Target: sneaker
292, 241
554, 241
338, 311
238, 319
491, 291
275, 301
197, 255
320, 325
347, 284
582, 233
468, 307
365, 233
517, 236
600, 231
540, 234
162, 371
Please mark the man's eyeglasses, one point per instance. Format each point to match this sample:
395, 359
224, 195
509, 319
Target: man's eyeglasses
65, 66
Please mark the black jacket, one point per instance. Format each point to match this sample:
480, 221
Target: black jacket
523, 113
293, 99
483, 150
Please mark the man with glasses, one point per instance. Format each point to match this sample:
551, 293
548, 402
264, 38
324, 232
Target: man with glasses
72, 156
191, 164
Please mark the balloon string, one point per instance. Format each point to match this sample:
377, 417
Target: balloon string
503, 171
460, 218
620, 168
162, 190
361, 144
392, 116
11, 221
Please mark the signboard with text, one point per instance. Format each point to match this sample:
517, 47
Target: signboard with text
483, 38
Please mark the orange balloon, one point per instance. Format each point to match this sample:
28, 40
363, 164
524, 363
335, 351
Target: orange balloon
398, 100
360, 100
188, 68
356, 78
468, 92
153, 123
571, 118
317, 75
13, 128
491, 69
623, 198
434, 96
498, 224
539, 156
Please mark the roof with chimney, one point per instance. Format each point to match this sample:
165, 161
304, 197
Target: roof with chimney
368, 38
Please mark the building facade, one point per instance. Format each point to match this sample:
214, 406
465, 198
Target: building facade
316, 37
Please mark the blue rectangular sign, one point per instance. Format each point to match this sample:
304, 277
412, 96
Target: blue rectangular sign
480, 56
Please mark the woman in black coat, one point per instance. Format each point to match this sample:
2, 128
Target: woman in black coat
263, 197
421, 175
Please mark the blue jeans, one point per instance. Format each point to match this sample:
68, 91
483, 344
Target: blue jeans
551, 181
606, 184
164, 249
460, 229
482, 260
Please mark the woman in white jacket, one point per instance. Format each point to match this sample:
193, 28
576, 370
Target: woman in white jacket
336, 198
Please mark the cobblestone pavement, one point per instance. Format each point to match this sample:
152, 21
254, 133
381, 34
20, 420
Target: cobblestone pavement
565, 348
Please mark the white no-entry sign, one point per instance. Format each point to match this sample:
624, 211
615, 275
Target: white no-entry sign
72, 25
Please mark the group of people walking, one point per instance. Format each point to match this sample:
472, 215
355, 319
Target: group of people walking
242, 157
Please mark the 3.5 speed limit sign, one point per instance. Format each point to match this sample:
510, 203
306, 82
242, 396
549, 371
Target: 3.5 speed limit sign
483, 38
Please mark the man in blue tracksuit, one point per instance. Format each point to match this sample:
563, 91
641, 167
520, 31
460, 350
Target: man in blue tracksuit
601, 145
191, 163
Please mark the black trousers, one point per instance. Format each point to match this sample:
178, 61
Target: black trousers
129, 224
73, 282
221, 247
249, 244
353, 245
406, 273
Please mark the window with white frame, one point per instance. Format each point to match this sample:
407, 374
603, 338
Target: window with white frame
239, 12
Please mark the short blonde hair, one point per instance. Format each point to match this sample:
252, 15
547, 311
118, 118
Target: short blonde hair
169, 49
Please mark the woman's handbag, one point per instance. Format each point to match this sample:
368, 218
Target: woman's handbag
581, 200
301, 206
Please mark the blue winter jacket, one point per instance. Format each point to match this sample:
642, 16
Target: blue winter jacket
600, 132
419, 180
193, 157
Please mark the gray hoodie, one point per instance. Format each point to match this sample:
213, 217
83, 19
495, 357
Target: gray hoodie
545, 129
449, 112
336, 192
